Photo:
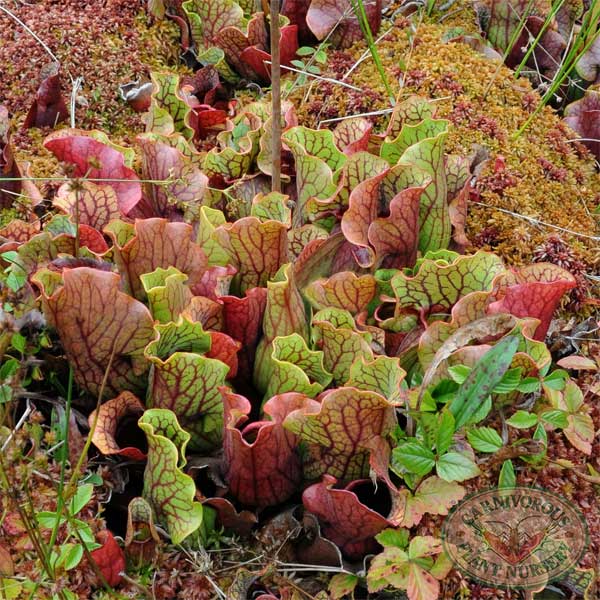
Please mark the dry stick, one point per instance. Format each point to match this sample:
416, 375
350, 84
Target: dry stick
275, 100
30, 32
77, 221
537, 222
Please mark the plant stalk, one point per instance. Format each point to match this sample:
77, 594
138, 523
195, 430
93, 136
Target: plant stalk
275, 99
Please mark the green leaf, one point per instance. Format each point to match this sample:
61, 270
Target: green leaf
9, 368
167, 293
529, 385
305, 51
482, 412
555, 417
6, 393
522, 420
445, 432
459, 373
482, 379
341, 585
456, 467
82, 496
272, 207
69, 557
438, 283
556, 380
317, 158
335, 334
485, 439
509, 381
437, 430
296, 368
434, 496
10, 589
507, 477
414, 458
47, 519
413, 570
284, 314
232, 158
168, 112
398, 538
19, 342
382, 375
427, 153
186, 382
85, 533
170, 491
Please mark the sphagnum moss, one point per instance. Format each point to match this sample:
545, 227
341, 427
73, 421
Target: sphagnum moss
552, 180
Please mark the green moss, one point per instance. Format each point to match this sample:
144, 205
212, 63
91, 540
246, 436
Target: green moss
7, 215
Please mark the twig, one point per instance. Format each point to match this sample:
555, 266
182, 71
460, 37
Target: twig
18, 426
375, 113
534, 221
319, 77
75, 87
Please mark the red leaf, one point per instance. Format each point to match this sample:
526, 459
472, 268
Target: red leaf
325, 15
531, 291
11, 169
184, 30
458, 216
262, 465
215, 282
238, 522
137, 95
157, 243
109, 558
48, 107
110, 416
98, 204
205, 117
396, 238
234, 42
91, 238
257, 58
94, 320
225, 349
338, 431
583, 117
94, 160
161, 162
20, 231
205, 84
295, 11
347, 521
257, 249
7, 566
242, 320
352, 135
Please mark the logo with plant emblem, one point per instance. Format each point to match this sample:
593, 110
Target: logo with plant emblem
517, 537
